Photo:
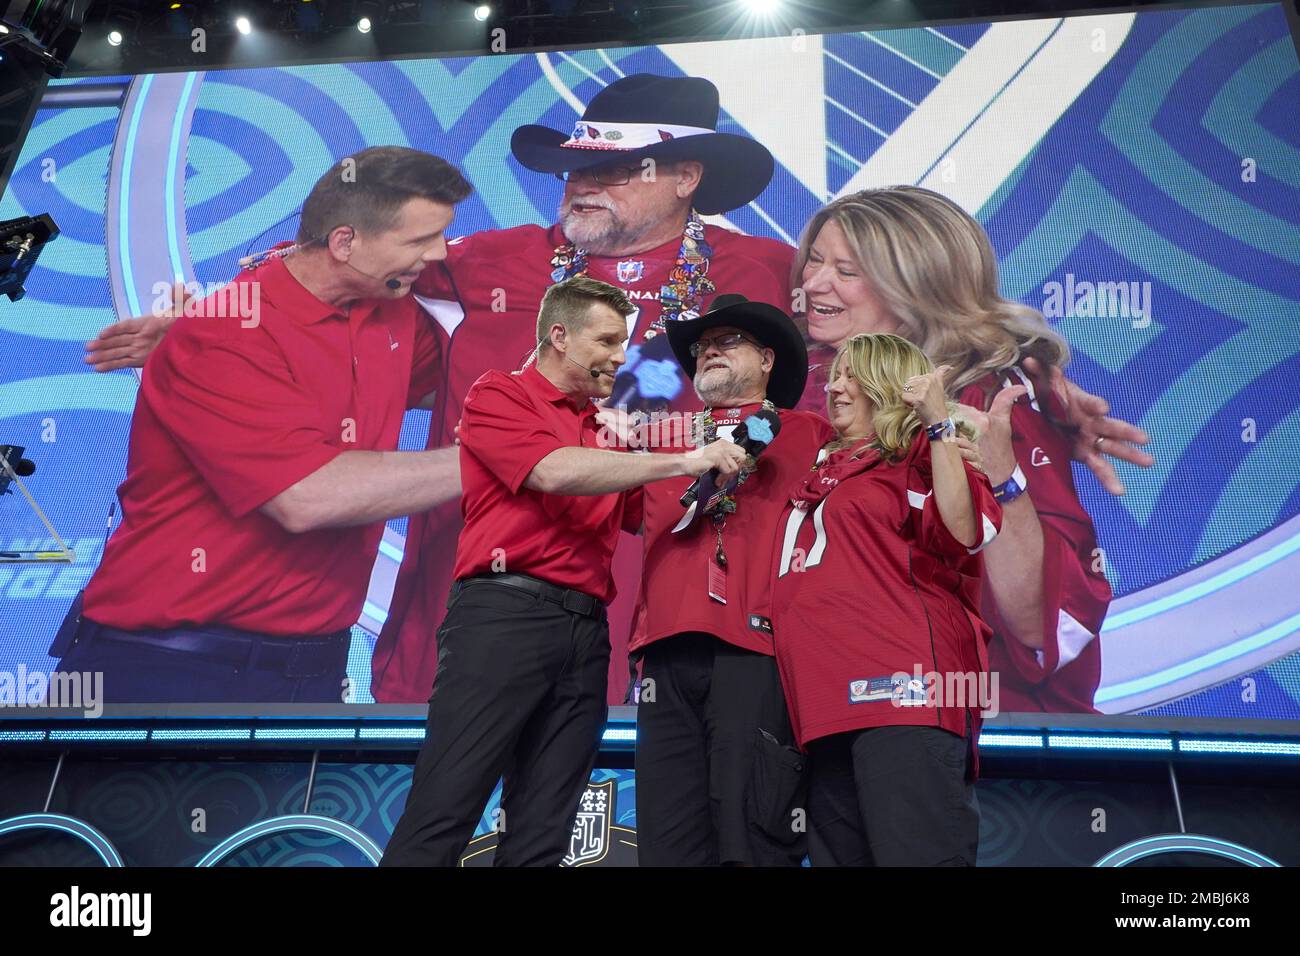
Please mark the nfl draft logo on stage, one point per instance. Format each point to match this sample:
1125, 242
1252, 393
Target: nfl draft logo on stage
589, 841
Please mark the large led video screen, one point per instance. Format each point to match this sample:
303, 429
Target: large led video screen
1138, 176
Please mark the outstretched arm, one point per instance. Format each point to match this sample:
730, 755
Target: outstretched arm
127, 344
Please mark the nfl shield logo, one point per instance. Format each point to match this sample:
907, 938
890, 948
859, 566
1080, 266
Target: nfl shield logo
630, 270
589, 842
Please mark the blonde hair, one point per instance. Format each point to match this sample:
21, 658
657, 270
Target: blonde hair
935, 271
881, 363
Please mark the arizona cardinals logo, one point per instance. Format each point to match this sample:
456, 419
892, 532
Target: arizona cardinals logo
665, 136
1039, 457
593, 132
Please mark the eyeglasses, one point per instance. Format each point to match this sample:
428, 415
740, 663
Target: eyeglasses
723, 343
605, 176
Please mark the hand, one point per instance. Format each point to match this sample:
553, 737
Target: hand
455, 434
1086, 415
127, 344
726, 456
926, 395
994, 427
970, 452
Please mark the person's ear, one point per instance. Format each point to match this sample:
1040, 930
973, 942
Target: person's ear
769, 359
339, 241
559, 337
689, 174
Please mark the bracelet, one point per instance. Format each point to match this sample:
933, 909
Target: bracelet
1012, 488
940, 429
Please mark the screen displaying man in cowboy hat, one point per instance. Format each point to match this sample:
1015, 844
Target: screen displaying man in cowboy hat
640, 167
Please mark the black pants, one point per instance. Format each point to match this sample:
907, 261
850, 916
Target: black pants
520, 693
891, 796
716, 778
210, 665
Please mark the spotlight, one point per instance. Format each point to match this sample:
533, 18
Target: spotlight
114, 38
763, 8
482, 12
243, 26
364, 24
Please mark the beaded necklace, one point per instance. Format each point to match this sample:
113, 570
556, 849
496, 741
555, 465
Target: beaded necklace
688, 282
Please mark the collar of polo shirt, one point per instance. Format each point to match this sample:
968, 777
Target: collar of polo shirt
291, 297
552, 394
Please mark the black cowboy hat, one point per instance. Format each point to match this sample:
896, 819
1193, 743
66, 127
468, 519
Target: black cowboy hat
766, 323
736, 168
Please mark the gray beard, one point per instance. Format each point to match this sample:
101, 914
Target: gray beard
722, 391
615, 239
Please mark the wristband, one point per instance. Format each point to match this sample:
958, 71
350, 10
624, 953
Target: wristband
1012, 488
940, 429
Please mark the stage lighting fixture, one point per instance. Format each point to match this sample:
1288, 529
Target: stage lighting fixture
763, 8
364, 24
244, 26
114, 38
44, 29
482, 12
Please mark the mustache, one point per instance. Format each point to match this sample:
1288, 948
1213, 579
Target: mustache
567, 206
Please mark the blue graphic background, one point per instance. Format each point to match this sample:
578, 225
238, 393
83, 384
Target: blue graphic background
1140, 178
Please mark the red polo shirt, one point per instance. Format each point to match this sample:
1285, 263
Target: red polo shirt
228, 417
511, 421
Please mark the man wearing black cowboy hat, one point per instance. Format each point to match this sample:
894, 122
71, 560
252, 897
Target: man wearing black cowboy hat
717, 778
640, 167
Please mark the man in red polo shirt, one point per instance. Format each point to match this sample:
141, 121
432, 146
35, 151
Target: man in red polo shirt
524, 650
256, 486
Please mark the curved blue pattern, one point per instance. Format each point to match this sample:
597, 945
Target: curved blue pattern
1104, 195
293, 823
72, 826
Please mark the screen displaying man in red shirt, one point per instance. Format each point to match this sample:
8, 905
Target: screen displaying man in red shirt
640, 168
262, 459
524, 650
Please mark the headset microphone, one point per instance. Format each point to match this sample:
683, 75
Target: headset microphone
593, 372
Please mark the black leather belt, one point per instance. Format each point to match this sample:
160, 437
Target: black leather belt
290, 656
577, 602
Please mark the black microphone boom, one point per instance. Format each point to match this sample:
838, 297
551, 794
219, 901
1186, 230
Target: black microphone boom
593, 372
393, 284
